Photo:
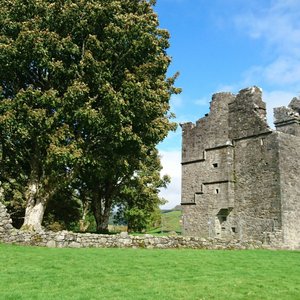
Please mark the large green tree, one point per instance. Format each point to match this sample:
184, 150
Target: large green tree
84, 94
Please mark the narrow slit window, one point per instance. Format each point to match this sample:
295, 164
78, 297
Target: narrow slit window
217, 191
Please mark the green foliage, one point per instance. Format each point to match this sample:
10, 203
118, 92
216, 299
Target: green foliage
147, 274
84, 97
138, 202
63, 211
11, 194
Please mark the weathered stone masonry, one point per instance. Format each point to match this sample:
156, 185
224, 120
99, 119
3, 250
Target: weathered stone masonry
5, 222
240, 178
63, 239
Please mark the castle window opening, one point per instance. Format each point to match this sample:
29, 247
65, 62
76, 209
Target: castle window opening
233, 229
215, 165
217, 191
222, 216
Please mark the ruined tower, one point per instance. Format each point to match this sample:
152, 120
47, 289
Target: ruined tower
240, 178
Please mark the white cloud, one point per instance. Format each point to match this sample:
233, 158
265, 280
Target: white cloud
278, 27
171, 162
277, 24
283, 71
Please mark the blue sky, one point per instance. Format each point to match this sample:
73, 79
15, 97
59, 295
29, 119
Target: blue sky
227, 45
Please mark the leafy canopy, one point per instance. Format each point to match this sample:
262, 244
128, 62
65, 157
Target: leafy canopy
84, 92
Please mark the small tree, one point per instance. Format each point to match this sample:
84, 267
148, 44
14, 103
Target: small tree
138, 202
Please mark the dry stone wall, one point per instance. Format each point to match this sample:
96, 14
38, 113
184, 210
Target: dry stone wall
64, 239
123, 240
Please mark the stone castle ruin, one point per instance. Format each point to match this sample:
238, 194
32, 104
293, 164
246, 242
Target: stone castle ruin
240, 184
240, 178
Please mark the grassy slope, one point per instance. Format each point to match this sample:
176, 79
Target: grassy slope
170, 221
41, 273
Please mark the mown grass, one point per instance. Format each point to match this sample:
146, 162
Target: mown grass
41, 273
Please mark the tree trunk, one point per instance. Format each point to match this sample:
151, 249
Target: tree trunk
83, 223
102, 223
101, 215
34, 214
35, 208
101, 210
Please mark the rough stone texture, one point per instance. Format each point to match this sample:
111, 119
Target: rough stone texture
80, 240
5, 222
63, 239
287, 119
240, 179
247, 114
289, 164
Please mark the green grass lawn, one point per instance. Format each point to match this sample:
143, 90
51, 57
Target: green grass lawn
42, 273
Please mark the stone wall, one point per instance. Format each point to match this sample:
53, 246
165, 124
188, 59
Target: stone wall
240, 178
123, 240
197, 138
64, 239
289, 164
257, 186
5, 222
247, 114
287, 119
